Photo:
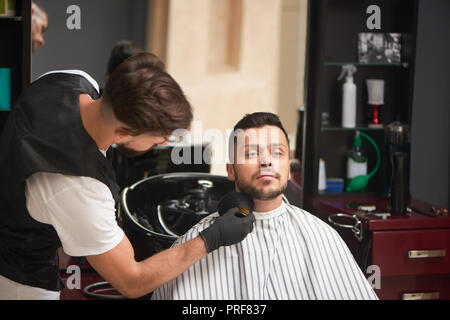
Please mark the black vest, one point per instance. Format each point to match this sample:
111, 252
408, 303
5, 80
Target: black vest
44, 133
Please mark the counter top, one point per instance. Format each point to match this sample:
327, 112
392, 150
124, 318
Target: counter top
411, 220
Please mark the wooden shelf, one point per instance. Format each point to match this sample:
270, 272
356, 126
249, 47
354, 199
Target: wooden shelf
13, 18
358, 64
332, 128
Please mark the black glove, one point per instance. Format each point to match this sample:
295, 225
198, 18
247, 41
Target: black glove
228, 229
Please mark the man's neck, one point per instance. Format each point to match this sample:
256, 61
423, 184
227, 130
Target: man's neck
94, 123
267, 205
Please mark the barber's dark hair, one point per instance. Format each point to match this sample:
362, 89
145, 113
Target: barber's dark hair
254, 120
145, 98
122, 50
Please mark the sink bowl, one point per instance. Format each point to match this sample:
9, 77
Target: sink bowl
155, 211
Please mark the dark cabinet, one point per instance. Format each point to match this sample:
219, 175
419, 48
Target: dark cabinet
15, 52
410, 252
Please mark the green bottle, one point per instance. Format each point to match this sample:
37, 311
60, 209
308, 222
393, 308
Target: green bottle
356, 159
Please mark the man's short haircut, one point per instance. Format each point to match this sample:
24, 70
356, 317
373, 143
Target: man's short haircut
253, 120
145, 98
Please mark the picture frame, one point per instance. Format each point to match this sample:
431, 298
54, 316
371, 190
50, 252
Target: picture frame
382, 48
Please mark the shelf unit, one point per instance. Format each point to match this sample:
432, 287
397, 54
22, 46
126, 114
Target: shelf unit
15, 53
333, 27
332, 41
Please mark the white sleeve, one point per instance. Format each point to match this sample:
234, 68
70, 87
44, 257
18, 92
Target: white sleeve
81, 209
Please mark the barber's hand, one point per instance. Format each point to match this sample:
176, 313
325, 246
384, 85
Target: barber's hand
228, 229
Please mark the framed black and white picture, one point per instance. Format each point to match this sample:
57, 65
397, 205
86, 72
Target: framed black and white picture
379, 47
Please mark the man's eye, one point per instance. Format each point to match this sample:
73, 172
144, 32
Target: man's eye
277, 153
251, 154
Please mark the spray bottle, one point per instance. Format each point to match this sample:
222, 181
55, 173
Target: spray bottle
348, 96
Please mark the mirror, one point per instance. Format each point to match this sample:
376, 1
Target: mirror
231, 57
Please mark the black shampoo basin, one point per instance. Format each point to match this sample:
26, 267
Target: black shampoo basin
155, 211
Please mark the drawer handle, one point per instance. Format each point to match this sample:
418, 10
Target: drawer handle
420, 296
420, 254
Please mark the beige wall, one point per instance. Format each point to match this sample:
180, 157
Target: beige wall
233, 57
291, 65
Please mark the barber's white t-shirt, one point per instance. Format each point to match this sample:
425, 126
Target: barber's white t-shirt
81, 209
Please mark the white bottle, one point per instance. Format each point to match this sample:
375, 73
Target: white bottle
322, 186
348, 97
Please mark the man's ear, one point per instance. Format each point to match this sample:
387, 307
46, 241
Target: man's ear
230, 172
120, 135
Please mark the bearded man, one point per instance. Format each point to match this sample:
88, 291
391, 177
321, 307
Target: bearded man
290, 254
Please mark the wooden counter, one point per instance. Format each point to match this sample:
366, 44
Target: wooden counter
412, 251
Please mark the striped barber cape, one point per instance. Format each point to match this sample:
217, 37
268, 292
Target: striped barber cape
290, 254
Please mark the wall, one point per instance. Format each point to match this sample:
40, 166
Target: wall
291, 70
431, 105
234, 57
103, 23
230, 56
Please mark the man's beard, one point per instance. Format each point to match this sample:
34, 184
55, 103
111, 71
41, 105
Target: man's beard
258, 193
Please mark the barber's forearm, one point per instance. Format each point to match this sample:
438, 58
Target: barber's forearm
168, 264
135, 279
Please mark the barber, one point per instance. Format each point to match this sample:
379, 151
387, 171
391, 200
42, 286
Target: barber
57, 185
